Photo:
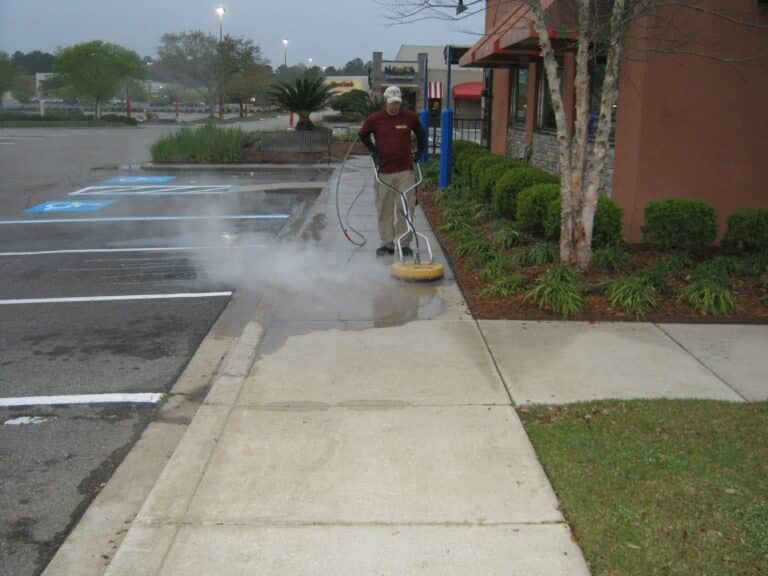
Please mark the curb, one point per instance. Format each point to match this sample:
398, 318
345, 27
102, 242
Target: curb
217, 369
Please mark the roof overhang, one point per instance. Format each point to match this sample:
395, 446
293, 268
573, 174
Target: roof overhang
515, 41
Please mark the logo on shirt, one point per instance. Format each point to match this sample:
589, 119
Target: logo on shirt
401, 127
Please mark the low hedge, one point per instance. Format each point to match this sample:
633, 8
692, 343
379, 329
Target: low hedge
461, 149
607, 229
747, 231
463, 163
679, 224
483, 163
488, 179
532, 206
517, 179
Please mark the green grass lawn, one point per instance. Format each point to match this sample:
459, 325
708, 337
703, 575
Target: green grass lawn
660, 487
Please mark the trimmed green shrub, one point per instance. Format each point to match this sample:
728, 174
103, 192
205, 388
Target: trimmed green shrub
464, 163
747, 230
679, 224
609, 219
487, 180
504, 196
607, 227
483, 163
532, 205
461, 146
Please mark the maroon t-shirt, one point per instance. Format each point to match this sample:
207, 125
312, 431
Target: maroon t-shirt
393, 138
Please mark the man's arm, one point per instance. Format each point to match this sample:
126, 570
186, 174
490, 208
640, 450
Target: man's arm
365, 137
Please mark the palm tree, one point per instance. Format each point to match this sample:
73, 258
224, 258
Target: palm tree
303, 97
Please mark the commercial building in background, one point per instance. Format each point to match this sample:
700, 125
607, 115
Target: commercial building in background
343, 84
407, 70
692, 125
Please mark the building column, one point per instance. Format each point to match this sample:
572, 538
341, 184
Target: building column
500, 110
377, 74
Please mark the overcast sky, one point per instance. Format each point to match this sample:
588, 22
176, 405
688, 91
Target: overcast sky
331, 32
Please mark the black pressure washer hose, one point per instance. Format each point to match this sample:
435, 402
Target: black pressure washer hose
347, 228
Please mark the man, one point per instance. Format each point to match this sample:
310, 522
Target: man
391, 150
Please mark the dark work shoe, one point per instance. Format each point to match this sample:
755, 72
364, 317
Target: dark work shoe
384, 250
407, 251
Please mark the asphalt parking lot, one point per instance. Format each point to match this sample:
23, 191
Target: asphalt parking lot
106, 291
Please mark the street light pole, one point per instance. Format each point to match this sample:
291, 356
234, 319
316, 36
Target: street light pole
221, 11
285, 54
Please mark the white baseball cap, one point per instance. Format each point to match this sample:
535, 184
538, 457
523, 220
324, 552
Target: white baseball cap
393, 94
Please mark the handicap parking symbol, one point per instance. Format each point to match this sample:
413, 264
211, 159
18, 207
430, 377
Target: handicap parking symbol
69, 206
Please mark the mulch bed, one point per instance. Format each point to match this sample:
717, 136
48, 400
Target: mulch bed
597, 307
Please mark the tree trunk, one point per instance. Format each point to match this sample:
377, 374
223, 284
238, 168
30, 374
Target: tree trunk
579, 176
569, 195
600, 147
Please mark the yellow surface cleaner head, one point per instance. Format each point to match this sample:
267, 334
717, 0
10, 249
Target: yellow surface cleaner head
409, 270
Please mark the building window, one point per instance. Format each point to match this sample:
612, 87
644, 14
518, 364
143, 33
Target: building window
518, 96
546, 113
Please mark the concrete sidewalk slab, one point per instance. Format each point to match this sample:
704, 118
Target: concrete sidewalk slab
422, 363
397, 465
562, 362
174, 489
736, 353
380, 550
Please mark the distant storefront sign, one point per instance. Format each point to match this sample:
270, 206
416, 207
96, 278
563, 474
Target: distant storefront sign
399, 71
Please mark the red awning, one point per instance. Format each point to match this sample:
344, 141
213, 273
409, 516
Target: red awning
435, 90
467, 91
514, 38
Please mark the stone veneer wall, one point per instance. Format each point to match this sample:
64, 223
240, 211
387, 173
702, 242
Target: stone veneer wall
545, 154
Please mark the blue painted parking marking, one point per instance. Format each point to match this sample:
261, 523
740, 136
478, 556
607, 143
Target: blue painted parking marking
138, 179
69, 206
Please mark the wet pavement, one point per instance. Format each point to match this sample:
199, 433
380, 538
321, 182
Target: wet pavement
153, 235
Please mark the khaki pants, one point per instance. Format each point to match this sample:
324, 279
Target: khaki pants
389, 207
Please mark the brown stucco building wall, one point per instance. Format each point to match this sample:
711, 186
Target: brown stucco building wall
690, 126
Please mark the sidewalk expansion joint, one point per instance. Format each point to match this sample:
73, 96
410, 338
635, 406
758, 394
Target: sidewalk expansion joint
701, 362
266, 523
358, 407
495, 364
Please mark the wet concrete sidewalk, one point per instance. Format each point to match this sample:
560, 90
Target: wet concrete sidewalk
369, 426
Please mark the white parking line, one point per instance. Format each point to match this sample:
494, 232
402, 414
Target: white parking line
148, 219
150, 190
136, 398
130, 250
116, 298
